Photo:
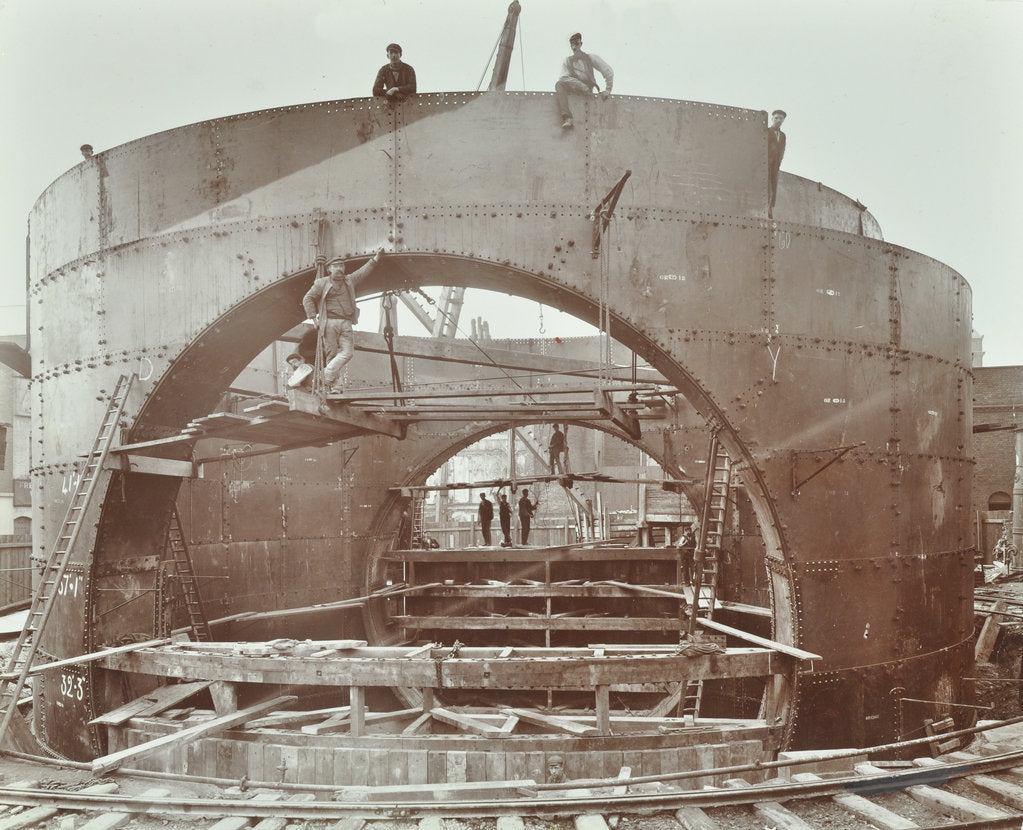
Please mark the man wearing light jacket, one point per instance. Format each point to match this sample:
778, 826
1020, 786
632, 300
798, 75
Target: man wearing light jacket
577, 77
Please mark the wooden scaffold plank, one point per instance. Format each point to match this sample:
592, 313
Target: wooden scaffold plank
115, 759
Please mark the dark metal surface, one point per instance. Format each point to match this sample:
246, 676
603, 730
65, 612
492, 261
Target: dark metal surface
791, 339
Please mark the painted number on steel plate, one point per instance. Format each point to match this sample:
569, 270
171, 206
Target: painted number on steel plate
72, 686
69, 585
70, 482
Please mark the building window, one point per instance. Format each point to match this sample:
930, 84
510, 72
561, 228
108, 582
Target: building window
22, 526
999, 501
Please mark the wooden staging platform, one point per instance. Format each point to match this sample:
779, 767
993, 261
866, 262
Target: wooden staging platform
432, 742
403, 759
324, 663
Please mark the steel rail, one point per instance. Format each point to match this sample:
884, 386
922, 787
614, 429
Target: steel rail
573, 802
353, 396
543, 802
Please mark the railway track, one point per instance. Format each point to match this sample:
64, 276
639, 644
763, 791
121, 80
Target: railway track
961, 791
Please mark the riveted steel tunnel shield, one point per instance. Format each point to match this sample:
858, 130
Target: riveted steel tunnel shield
183, 254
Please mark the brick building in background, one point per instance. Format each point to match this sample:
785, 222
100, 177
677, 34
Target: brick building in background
15, 443
998, 402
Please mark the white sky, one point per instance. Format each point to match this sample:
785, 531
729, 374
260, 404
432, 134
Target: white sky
913, 106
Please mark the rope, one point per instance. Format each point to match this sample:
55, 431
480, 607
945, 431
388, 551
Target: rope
387, 303
487, 65
522, 53
604, 375
321, 316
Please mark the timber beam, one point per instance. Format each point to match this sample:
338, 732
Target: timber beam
342, 412
564, 479
616, 672
561, 553
622, 416
152, 465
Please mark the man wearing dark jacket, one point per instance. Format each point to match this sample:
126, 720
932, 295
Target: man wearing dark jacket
527, 509
486, 513
555, 450
395, 81
504, 509
775, 153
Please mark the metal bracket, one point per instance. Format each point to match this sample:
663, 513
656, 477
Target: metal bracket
602, 212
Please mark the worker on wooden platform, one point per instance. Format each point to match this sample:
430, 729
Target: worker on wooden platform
486, 514
301, 372
556, 449
504, 512
527, 509
687, 551
330, 306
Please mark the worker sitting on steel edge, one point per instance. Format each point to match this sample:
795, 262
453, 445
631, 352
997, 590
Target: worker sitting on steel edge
577, 77
775, 153
396, 80
330, 305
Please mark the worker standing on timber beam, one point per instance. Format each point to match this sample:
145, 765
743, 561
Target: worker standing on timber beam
396, 80
527, 509
504, 512
555, 449
687, 553
330, 306
577, 78
486, 513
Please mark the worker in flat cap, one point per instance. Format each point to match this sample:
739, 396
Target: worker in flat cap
775, 153
577, 77
396, 80
301, 372
330, 306
555, 769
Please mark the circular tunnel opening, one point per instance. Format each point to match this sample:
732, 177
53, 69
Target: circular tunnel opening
609, 563
612, 617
